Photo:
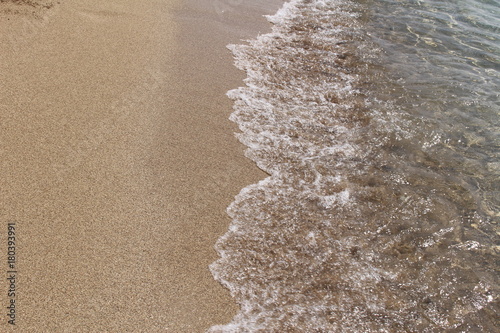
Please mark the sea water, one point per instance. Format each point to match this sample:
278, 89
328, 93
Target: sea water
378, 124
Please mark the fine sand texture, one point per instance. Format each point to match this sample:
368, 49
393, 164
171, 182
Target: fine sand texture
117, 161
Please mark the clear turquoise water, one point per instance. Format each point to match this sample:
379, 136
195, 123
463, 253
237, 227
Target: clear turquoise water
378, 124
445, 58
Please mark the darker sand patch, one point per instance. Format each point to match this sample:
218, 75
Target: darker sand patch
36, 4
26, 7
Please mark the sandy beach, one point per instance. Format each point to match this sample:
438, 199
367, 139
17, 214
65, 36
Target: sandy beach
118, 161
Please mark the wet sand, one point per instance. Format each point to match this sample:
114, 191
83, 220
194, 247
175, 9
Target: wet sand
117, 161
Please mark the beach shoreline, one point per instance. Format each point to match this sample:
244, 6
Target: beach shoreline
118, 161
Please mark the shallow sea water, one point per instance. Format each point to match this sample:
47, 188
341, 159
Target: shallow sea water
378, 124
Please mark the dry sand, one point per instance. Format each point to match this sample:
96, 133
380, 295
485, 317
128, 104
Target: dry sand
117, 160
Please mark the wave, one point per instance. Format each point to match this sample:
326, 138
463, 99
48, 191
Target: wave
342, 236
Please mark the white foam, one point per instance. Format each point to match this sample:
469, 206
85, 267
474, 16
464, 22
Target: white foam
310, 247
